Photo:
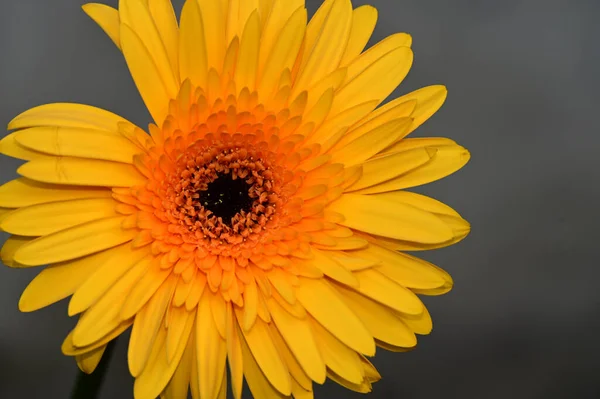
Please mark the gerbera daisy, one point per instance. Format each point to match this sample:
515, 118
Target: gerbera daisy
259, 225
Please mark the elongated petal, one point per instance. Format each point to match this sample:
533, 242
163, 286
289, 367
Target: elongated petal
11, 147
376, 286
193, 58
329, 46
142, 23
77, 142
215, 25
247, 65
69, 349
146, 74
179, 385
24, 192
107, 18
390, 219
81, 172
211, 350
387, 167
43, 219
165, 20
375, 53
159, 371
299, 338
103, 316
88, 362
147, 323
371, 143
364, 19
336, 316
338, 357
117, 262
75, 242
377, 81
284, 51
267, 357
404, 269
257, 381
447, 160
10, 248
58, 281
68, 115
381, 321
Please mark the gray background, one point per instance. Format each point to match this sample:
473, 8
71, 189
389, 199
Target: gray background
522, 319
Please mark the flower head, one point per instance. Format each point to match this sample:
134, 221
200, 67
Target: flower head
258, 225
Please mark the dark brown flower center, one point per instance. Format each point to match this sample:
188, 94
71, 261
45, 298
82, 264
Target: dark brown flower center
226, 196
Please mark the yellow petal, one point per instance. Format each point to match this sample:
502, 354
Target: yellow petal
447, 160
24, 192
234, 354
362, 387
68, 115
9, 146
294, 368
75, 242
338, 357
376, 119
165, 19
333, 269
146, 75
387, 167
284, 52
377, 81
371, 143
88, 362
372, 55
147, 323
380, 321
43, 219
213, 17
247, 64
69, 349
275, 21
58, 281
193, 58
428, 101
77, 142
144, 289
82, 172
364, 20
10, 248
266, 355
404, 269
179, 385
211, 350
325, 55
158, 371
300, 340
420, 324
103, 316
376, 286
389, 218
257, 381
250, 306
140, 20
336, 316
107, 18
344, 119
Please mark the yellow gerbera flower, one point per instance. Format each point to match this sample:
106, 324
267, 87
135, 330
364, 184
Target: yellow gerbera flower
260, 222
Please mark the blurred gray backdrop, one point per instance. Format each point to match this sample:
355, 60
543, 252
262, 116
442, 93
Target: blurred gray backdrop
522, 321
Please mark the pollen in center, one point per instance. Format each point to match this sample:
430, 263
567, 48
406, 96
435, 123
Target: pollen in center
225, 197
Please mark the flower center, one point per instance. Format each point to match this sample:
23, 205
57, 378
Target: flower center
226, 196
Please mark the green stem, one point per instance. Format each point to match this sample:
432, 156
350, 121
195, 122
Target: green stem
87, 386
